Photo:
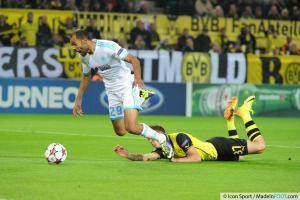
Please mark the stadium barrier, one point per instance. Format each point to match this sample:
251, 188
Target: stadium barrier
273, 69
271, 100
58, 96
159, 66
119, 25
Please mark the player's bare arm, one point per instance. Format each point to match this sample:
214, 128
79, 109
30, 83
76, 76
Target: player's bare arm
192, 156
121, 151
136, 65
77, 109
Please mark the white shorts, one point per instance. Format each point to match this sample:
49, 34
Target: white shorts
127, 98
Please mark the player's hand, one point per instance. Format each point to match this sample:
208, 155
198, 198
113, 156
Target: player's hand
139, 83
121, 151
77, 109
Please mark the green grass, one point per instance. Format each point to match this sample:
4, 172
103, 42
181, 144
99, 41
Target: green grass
93, 171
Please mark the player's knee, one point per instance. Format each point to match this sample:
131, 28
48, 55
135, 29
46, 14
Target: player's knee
261, 147
120, 133
132, 128
120, 130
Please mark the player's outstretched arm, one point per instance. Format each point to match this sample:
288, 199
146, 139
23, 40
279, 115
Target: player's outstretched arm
192, 156
136, 65
121, 151
77, 109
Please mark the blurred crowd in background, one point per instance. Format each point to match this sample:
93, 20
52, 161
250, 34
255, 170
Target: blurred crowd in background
146, 36
268, 9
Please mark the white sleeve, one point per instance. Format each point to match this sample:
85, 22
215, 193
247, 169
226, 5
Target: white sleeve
115, 50
85, 69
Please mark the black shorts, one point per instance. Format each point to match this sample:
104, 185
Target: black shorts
229, 149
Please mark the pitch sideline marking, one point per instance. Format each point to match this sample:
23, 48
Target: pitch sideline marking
285, 147
110, 136
66, 133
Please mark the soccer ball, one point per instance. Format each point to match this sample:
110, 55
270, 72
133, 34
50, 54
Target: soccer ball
55, 153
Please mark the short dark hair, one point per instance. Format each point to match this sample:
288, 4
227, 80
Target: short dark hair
81, 34
158, 128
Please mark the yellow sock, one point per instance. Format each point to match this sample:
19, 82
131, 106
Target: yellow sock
246, 117
230, 124
231, 128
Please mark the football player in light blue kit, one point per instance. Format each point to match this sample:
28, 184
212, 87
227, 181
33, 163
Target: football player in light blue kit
123, 88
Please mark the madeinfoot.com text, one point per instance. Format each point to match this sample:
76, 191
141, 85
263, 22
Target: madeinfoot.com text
259, 196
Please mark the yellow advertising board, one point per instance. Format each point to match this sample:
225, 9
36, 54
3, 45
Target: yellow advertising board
17, 17
116, 25
273, 69
112, 25
119, 25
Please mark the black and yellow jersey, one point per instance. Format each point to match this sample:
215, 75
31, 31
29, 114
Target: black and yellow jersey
216, 148
181, 142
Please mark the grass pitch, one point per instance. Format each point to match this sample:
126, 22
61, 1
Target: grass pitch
93, 171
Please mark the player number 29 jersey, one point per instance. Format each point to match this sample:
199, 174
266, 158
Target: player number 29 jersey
108, 61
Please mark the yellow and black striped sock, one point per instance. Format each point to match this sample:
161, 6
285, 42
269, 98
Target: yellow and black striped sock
232, 129
252, 130
233, 134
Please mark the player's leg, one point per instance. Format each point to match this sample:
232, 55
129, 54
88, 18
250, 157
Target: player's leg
134, 127
116, 113
256, 143
132, 104
257, 146
229, 116
119, 127
131, 123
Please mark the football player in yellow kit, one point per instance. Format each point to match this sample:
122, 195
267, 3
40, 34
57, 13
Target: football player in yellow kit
188, 148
